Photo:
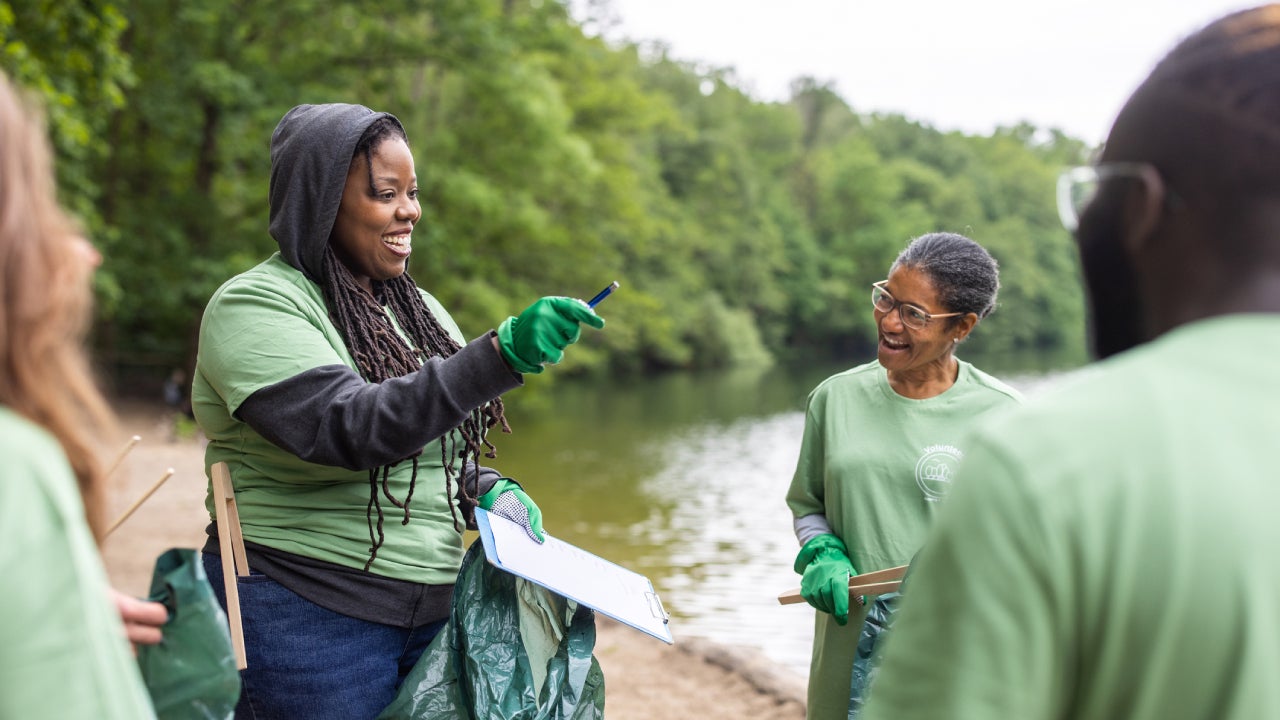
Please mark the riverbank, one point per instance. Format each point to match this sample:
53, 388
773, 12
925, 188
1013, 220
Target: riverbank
645, 679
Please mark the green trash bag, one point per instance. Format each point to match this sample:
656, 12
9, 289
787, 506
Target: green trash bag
512, 650
866, 662
191, 674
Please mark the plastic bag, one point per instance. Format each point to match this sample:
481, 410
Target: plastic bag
511, 651
870, 646
191, 674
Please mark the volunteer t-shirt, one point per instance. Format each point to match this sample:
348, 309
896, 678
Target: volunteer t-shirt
270, 324
878, 464
1110, 549
63, 652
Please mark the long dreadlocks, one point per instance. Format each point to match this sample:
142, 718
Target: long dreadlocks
381, 353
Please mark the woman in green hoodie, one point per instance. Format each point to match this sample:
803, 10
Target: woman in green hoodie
352, 414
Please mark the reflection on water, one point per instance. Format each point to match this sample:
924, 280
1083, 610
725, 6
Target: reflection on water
681, 478
731, 543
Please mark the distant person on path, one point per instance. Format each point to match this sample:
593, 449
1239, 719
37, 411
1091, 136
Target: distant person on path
63, 649
1110, 552
352, 414
882, 440
175, 392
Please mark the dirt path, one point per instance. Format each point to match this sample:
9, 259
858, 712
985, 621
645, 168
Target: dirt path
645, 679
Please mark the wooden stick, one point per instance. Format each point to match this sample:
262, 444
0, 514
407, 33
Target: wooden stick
123, 451
872, 583
792, 597
138, 503
231, 544
883, 588
893, 573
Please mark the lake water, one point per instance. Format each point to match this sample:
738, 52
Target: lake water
681, 478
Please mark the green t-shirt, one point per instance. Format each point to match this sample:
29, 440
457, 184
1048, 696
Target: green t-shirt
877, 464
267, 325
63, 651
1110, 552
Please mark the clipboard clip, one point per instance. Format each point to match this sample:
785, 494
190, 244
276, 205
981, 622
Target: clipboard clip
655, 606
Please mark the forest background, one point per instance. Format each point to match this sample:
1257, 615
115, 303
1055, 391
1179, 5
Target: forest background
550, 162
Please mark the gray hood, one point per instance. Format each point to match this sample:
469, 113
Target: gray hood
311, 151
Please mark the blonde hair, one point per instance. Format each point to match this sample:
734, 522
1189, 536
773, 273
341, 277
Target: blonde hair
45, 303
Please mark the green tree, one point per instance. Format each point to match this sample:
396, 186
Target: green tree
551, 162
68, 54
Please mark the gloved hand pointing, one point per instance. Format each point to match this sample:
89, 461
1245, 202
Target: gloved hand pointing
824, 562
507, 500
542, 332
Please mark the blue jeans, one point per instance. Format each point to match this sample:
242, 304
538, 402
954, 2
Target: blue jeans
306, 662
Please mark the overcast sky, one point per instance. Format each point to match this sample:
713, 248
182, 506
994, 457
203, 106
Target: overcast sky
965, 65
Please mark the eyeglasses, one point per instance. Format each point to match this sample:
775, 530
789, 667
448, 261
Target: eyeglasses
911, 316
1079, 186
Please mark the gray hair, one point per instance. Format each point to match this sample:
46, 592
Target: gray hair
964, 273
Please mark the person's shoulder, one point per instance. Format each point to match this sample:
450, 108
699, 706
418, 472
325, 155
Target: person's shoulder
442, 315
1121, 380
432, 303
989, 382
21, 438
273, 277
1067, 417
29, 452
854, 377
426, 295
1064, 447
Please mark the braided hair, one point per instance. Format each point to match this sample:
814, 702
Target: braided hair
381, 353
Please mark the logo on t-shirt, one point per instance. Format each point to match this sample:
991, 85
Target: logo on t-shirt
935, 470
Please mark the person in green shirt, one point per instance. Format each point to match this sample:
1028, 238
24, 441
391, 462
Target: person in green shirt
64, 652
882, 440
352, 415
1109, 552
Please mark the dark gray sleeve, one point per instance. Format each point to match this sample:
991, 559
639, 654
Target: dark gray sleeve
478, 484
331, 416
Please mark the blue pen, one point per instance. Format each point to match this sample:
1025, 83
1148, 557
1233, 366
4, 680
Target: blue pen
600, 296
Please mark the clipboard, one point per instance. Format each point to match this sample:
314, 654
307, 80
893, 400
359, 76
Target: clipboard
576, 574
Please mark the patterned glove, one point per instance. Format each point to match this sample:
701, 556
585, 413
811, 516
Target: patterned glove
507, 500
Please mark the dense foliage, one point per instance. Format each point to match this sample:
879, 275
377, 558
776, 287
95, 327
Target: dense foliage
551, 162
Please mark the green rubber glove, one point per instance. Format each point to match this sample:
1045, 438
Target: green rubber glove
506, 499
824, 562
542, 332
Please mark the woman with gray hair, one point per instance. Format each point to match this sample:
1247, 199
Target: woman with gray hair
882, 440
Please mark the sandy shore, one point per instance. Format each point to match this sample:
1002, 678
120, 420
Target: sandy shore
645, 679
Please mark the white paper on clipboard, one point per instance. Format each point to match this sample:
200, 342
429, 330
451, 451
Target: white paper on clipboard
576, 574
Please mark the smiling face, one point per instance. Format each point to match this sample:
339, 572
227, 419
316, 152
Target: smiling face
371, 234
922, 355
